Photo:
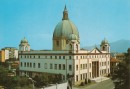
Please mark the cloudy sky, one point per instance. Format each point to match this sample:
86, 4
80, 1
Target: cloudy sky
36, 20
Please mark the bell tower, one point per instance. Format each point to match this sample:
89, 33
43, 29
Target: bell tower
24, 45
105, 46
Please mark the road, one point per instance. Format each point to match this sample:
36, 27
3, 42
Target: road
107, 84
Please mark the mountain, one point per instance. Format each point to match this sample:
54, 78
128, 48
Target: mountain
117, 46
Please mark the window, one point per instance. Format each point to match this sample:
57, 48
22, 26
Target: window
21, 64
55, 57
34, 56
55, 66
30, 56
70, 67
86, 66
59, 57
76, 77
33, 65
24, 64
57, 43
81, 76
69, 57
63, 57
103, 48
59, 66
50, 57
27, 64
38, 56
51, 66
63, 66
25, 56
76, 67
39, 65
80, 66
21, 56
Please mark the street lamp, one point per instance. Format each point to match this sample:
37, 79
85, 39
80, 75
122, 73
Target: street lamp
31, 80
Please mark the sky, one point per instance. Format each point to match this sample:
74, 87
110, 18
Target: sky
36, 20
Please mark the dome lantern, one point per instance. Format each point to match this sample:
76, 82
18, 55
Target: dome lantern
65, 14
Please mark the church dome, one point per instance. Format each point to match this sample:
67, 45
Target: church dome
65, 28
104, 42
24, 40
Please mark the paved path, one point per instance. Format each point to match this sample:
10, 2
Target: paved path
107, 84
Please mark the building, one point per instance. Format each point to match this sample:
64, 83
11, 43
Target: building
121, 56
113, 63
4, 55
13, 52
66, 57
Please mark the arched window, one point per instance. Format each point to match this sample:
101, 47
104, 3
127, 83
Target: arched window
103, 48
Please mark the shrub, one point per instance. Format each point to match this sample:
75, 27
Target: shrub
86, 81
89, 81
82, 84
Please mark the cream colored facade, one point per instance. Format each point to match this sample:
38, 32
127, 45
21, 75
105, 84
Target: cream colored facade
66, 56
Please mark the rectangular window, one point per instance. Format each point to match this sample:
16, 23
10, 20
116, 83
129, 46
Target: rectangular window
86, 66
33, 65
21, 64
81, 76
55, 57
69, 57
28, 64
63, 66
24, 64
21, 56
59, 57
76, 77
39, 65
80, 66
70, 67
25, 56
34, 56
63, 57
30, 56
59, 66
76, 67
38, 56
50, 57
51, 66
55, 66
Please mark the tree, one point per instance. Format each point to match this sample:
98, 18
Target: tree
121, 76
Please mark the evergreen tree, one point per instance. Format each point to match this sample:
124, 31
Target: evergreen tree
121, 76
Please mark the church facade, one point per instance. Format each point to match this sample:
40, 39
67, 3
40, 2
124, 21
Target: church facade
66, 57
